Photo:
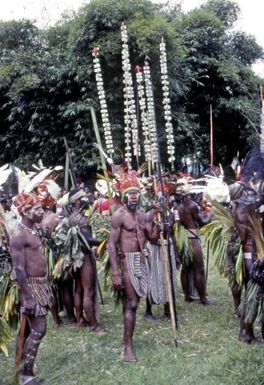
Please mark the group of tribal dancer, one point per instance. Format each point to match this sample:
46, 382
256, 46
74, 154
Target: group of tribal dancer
36, 224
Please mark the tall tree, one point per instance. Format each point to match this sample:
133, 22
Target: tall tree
47, 83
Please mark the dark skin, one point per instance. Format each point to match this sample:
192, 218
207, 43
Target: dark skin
241, 218
28, 261
130, 228
191, 218
86, 276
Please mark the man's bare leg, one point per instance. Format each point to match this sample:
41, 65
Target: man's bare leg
236, 294
185, 284
148, 313
78, 301
88, 282
199, 272
132, 301
55, 311
68, 299
38, 327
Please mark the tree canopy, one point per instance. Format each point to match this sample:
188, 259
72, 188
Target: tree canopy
47, 82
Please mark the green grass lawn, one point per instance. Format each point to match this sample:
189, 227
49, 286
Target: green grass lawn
208, 351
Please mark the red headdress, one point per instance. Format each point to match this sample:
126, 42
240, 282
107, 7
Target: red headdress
127, 181
25, 201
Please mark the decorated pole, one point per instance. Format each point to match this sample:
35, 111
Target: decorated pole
165, 255
167, 104
151, 114
98, 139
102, 100
144, 117
130, 118
211, 139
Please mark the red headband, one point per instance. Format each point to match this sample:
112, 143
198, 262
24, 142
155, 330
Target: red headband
25, 201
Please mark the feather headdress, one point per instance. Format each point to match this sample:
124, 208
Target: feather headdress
39, 177
48, 192
126, 181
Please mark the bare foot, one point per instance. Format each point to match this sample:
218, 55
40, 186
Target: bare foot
82, 323
129, 355
207, 302
150, 318
98, 329
57, 322
248, 339
188, 299
72, 320
236, 314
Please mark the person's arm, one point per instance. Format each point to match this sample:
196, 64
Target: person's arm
49, 223
112, 250
242, 225
89, 236
200, 219
152, 227
18, 253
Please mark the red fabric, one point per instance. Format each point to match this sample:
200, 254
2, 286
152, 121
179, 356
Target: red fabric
102, 205
105, 205
25, 201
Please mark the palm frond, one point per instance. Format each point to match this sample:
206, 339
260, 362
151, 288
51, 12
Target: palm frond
183, 244
143, 168
258, 234
253, 303
5, 336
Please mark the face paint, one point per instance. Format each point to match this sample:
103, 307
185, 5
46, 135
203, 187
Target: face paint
36, 213
133, 199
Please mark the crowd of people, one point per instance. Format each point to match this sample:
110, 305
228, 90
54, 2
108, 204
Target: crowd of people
49, 243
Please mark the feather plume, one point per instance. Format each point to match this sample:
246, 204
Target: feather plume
64, 200
4, 173
53, 189
22, 179
40, 177
109, 160
37, 179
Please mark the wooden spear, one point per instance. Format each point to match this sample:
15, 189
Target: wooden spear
211, 139
166, 266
